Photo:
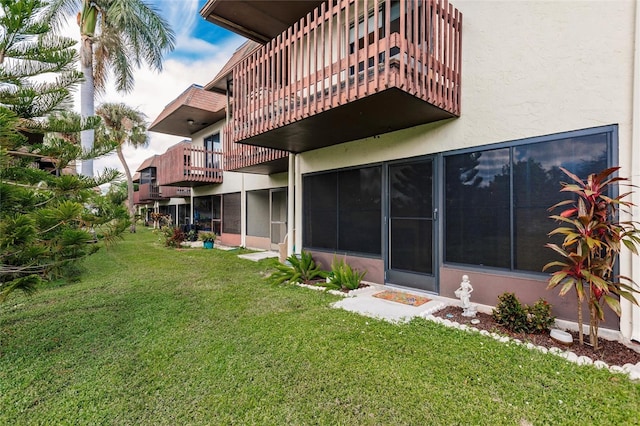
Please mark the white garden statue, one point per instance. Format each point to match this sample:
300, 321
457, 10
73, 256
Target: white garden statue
464, 294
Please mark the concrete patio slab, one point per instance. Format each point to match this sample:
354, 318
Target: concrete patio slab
362, 302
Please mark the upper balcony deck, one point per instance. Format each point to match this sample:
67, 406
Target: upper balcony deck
188, 166
326, 80
147, 192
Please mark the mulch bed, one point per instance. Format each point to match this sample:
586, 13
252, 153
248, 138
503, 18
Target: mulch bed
613, 353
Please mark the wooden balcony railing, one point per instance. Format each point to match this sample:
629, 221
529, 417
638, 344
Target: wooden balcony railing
174, 192
148, 192
325, 61
185, 165
243, 157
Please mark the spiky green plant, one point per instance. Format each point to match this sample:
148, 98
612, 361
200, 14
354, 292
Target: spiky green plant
343, 277
301, 269
593, 239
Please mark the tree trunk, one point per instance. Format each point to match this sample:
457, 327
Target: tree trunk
594, 321
130, 206
87, 108
580, 321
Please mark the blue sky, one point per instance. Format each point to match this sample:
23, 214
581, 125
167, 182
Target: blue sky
185, 19
202, 48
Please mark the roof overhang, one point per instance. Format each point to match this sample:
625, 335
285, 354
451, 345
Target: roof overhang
257, 20
192, 111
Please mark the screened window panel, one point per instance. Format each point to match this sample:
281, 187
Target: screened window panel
278, 206
342, 210
359, 213
183, 214
479, 228
411, 190
411, 245
258, 213
231, 216
320, 210
477, 200
537, 178
202, 212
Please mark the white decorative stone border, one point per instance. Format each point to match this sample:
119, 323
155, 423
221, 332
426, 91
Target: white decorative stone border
632, 370
321, 288
352, 293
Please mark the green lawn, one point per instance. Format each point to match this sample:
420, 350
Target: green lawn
156, 336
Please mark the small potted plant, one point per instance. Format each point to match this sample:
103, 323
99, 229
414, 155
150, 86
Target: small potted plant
207, 239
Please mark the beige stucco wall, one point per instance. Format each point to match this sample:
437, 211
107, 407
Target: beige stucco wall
530, 68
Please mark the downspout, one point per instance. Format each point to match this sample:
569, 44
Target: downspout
630, 326
634, 267
291, 205
243, 214
191, 207
298, 206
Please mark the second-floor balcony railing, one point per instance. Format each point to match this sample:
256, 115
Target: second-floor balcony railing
341, 54
174, 192
188, 166
252, 159
148, 192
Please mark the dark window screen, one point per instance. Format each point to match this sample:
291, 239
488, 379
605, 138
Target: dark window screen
480, 226
342, 210
231, 213
320, 210
536, 181
359, 210
477, 208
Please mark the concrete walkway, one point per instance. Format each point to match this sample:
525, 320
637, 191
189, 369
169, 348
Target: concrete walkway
361, 301
259, 255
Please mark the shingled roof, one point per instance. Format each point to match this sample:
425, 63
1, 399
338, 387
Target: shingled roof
190, 112
218, 83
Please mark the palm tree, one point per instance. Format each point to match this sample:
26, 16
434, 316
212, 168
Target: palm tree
123, 125
117, 36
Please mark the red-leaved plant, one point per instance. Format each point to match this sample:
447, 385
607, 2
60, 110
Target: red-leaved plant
593, 237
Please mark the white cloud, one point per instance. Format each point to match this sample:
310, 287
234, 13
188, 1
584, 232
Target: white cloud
181, 15
153, 90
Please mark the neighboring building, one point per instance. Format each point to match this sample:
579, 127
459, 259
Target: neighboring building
242, 208
170, 201
416, 156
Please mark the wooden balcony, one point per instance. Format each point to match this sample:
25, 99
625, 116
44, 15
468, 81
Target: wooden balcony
253, 159
167, 192
326, 80
148, 192
189, 166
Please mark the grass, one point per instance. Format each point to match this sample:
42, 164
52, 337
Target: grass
154, 336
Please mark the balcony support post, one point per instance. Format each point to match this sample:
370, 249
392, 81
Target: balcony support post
630, 265
291, 205
191, 207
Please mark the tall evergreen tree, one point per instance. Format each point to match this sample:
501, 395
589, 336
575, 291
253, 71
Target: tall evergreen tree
43, 220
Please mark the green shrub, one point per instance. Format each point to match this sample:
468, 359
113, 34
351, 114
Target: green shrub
343, 277
540, 318
510, 313
207, 237
299, 270
173, 236
520, 318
